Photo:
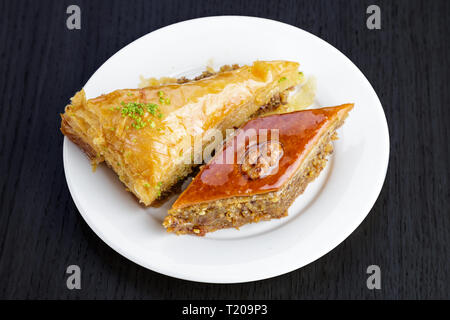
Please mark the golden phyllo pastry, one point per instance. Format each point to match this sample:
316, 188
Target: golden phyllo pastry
147, 135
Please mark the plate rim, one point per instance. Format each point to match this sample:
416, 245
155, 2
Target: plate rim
281, 271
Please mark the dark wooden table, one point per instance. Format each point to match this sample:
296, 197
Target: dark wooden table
42, 64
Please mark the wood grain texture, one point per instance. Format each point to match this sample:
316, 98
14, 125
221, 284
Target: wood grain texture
42, 64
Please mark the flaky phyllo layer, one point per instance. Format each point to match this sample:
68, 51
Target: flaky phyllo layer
147, 135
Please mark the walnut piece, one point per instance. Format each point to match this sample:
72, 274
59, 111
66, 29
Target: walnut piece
260, 159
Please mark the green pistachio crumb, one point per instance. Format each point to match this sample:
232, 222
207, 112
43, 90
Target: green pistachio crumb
158, 188
162, 98
136, 111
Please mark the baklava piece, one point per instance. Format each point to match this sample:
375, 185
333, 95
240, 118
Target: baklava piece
146, 135
265, 175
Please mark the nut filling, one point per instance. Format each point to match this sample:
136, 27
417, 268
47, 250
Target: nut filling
262, 159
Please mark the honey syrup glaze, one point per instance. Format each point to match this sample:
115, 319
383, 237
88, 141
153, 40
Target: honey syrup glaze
297, 133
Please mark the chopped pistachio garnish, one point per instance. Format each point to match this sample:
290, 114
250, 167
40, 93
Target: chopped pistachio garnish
158, 188
146, 185
282, 79
151, 108
162, 98
136, 111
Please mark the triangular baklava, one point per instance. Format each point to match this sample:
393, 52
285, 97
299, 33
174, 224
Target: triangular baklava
146, 135
258, 179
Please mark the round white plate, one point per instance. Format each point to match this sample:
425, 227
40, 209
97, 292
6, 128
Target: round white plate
328, 212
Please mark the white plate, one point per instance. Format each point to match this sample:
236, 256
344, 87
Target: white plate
328, 212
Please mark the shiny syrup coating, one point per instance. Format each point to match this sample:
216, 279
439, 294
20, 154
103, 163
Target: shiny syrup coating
297, 133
